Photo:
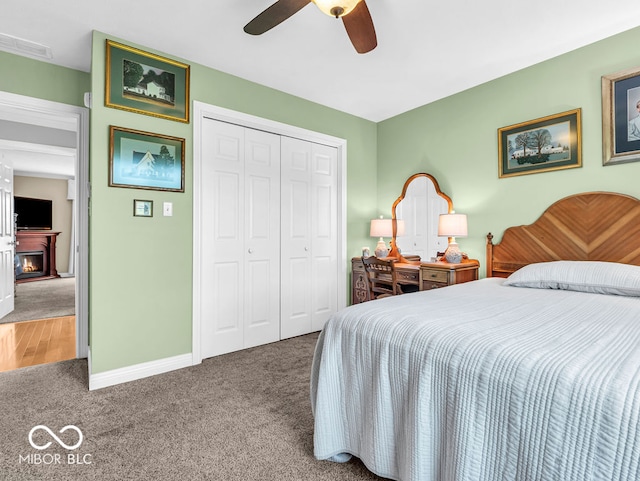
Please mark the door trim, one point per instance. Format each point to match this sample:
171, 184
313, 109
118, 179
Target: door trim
200, 112
74, 118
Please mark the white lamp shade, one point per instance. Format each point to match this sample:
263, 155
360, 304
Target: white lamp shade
384, 228
452, 225
381, 228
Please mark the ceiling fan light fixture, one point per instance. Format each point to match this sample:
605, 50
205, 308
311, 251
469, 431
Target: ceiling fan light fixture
336, 8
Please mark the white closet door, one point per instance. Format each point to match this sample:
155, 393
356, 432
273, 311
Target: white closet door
240, 228
309, 236
262, 238
324, 234
296, 238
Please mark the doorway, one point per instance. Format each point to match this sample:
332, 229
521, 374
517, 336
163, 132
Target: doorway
59, 135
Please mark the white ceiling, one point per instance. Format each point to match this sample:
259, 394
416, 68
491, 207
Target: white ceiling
37, 160
426, 49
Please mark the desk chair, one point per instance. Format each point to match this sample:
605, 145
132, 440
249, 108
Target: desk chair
380, 277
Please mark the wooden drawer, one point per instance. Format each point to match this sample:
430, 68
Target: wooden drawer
357, 265
408, 276
427, 285
435, 275
442, 274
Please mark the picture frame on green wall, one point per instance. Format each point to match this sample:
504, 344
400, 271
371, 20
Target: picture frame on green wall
144, 160
546, 144
621, 117
146, 83
142, 208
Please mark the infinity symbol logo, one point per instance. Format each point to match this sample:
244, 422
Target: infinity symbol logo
58, 440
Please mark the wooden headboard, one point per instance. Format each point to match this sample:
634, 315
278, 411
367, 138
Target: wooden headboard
595, 226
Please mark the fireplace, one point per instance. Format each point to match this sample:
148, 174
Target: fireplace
36, 252
32, 264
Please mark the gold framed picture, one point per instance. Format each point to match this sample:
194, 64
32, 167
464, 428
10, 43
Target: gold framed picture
144, 160
146, 83
542, 145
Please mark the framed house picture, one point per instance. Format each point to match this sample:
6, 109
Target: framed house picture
143, 160
541, 145
621, 117
146, 83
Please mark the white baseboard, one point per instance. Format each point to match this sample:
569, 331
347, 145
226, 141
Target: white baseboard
137, 371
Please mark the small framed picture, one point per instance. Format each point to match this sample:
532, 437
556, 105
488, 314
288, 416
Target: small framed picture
549, 143
142, 208
144, 160
146, 83
621, 117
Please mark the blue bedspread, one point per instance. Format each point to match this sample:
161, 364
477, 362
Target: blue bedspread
482, 381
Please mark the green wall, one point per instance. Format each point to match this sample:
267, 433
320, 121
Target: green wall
455, 139
141, 268
25, 76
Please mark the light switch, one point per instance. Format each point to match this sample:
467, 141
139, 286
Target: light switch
167, 209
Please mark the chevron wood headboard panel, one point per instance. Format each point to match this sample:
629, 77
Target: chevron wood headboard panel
595, 226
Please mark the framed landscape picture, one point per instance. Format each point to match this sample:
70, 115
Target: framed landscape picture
146, 83
143, 160
541, 145
621, 117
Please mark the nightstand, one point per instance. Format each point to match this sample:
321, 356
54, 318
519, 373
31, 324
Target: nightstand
442, 274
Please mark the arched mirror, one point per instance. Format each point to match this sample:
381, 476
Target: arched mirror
419, 207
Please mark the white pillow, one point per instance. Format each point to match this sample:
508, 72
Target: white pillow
584, 276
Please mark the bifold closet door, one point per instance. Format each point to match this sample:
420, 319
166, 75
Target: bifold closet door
309, 236
241, 238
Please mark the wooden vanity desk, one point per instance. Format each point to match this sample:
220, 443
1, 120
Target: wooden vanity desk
421, 198
426, 275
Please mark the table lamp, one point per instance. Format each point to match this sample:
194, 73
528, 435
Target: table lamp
381, 228
452, 225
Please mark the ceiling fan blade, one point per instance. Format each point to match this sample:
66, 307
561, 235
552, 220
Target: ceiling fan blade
274, 15
359, 26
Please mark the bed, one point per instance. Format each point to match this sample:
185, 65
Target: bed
532, 377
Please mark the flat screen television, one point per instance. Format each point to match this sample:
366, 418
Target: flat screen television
33, 214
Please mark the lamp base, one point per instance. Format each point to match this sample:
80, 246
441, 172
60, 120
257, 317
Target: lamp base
453, 254
381, 249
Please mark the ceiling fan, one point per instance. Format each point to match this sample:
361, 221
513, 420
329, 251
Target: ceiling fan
354, 13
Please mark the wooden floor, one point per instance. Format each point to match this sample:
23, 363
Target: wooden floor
28, 343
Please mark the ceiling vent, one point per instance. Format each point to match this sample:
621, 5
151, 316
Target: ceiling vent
21, 46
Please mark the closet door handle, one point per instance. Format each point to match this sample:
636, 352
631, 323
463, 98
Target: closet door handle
250, 251
306, 249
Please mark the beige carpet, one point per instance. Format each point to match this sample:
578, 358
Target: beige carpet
43, 299
244, 416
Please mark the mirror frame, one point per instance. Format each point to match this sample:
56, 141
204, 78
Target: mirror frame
394, 250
